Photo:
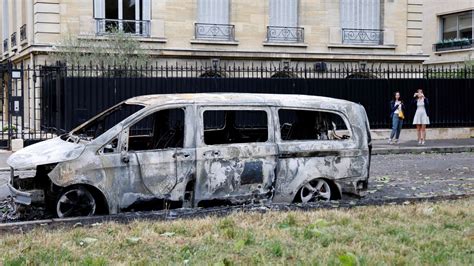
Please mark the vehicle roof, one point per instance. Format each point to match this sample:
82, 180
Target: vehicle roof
292, 100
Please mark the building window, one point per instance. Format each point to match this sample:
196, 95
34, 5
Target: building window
360, 22
213, 20
24, 19
5, 29
129, 16
457, 26
284, 22
455, 32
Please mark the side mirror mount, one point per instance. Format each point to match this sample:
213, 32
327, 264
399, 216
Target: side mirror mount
125, 158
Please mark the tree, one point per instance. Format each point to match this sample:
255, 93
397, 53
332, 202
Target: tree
116, 48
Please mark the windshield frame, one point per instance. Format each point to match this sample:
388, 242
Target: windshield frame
101, 115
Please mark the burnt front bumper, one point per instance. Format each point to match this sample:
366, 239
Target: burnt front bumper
18, 187
7, 190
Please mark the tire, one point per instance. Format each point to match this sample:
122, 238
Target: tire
75, 201
316, 190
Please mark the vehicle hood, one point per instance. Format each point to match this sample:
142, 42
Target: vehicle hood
45, 152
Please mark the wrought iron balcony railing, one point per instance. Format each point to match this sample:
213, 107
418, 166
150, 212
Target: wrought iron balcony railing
448, 45
133, 27
285, 34
5, 45
23, 33
216, 32
362, 36
13, 39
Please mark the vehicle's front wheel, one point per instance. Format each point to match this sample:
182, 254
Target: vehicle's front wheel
75, 201
315, 190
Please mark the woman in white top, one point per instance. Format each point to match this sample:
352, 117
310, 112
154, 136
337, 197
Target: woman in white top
421, 118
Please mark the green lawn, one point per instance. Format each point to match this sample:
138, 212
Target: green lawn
421, 234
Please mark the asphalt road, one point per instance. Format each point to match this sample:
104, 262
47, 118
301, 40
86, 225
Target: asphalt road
421, 175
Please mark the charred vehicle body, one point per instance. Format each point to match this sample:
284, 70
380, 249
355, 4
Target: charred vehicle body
190, 150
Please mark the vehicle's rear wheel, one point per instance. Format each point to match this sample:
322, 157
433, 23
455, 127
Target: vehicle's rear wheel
315, 190
75, 201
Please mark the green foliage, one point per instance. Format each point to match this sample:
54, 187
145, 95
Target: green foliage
438, 233
455, 41
117, 48
227, 228
348, 259
289, 221
6, 128
276, 248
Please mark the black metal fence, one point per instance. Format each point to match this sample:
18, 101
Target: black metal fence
48, 100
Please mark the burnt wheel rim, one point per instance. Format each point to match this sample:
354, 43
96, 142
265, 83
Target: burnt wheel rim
316, 190
76, 202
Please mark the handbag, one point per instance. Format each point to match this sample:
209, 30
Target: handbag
401, 115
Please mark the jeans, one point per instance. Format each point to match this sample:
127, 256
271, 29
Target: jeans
397, 124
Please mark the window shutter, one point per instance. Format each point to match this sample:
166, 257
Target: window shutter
213, 11
284, 13
274, 13
223, 13
371, 14
99, 8
292, 10
344, 13
360, 14
203, 10
5, 19
146, 9
376, 23
357, 24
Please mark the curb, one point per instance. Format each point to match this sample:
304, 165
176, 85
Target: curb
418, 150
164, 215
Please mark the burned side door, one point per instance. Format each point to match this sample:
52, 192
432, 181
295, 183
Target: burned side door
158, 143
314, 144
236, 154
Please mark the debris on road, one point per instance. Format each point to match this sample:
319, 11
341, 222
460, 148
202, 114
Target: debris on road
8, 210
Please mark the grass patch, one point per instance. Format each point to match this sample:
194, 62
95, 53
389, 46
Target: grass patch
421, 234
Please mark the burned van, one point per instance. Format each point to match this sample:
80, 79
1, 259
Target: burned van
190, 150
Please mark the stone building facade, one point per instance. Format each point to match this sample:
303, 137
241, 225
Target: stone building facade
367, 33
447, 36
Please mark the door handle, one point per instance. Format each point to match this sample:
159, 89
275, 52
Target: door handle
212, 153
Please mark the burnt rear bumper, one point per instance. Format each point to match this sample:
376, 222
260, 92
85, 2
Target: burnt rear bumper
354, 186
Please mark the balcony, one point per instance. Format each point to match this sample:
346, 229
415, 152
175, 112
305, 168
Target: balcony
13, 39
214, 32
362, 36
450, 45
23, 33
277, 34
5, 45
132, 27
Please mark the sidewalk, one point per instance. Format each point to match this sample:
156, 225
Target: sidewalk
381, 147
3, 159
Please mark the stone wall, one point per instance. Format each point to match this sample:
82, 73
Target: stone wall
172, 31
